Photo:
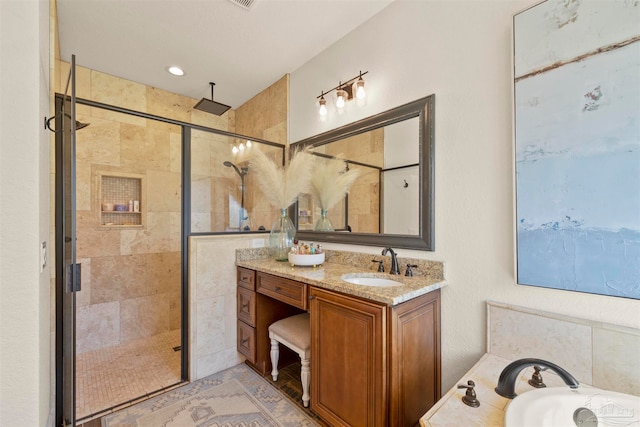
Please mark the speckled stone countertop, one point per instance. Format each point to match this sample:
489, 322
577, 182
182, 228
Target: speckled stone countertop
428, 276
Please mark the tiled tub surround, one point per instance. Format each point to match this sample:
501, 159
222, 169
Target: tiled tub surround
428, 276
597, 354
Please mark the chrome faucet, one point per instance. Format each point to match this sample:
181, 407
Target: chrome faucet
394, 261
507, 381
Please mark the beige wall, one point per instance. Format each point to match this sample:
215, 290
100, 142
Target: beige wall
461, 52
25, 321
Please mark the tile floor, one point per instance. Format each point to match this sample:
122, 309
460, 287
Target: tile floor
116, 375
288, 383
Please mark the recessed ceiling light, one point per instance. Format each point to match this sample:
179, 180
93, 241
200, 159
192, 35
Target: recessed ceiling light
175, 70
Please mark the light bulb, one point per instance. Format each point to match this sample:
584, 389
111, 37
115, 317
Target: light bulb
241, 147
248, 144
340, 100
234, 150
360, 92
341, 97
323, 105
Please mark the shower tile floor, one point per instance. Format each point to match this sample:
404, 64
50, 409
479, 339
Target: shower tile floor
125, 374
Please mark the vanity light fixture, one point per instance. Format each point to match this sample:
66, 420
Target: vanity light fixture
241, 147
175, 70
353, 87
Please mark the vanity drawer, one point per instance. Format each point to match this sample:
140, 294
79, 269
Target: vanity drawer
285, 290
247, 306
247, 278
247, 341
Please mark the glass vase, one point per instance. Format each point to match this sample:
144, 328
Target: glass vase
281, 237
323, 223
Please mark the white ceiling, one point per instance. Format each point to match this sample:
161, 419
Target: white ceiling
242, 51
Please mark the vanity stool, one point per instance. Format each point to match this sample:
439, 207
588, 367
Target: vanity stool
292, 332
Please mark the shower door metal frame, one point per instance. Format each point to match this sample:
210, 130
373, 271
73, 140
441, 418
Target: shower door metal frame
67, 270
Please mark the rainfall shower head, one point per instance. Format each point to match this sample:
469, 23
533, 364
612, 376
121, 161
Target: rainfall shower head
242, 172
210, 106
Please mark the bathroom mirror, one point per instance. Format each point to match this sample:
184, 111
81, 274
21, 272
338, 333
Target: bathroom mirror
391, 202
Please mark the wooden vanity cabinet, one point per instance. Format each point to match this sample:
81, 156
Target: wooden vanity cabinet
371, 364
246, 313
374, 365
261, 300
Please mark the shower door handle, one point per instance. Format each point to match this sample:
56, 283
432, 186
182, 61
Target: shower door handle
78, 274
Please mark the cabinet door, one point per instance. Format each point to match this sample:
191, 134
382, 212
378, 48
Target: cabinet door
348, 341
414, 359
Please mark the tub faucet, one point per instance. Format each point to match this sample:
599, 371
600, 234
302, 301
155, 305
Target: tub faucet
394, 261
507, 381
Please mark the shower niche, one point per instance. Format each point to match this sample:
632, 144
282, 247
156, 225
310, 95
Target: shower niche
121, 201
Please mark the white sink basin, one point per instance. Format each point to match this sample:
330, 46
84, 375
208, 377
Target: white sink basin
368, 280
562, 406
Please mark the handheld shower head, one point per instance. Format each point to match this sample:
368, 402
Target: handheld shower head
242, 172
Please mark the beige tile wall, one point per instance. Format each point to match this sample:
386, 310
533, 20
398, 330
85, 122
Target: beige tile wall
132, 276
212, 302
265, 116
603, 355
134, 280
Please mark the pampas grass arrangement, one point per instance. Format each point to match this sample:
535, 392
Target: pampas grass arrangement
279, 184
329, 184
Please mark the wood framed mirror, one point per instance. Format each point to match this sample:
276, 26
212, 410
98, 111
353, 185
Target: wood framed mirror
392, 201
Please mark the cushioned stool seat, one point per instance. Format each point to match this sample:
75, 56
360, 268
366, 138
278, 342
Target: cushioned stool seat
292, 332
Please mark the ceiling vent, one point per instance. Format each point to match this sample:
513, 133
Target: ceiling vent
245, 4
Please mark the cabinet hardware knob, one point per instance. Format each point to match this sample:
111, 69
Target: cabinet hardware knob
312, 297
245, 306
277, 288
244, 341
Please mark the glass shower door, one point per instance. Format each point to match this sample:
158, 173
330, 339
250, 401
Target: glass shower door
67, 270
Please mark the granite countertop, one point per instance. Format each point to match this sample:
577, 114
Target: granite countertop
427, 277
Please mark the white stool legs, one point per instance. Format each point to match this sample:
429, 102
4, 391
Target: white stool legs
275, 354
293, 332
305, 373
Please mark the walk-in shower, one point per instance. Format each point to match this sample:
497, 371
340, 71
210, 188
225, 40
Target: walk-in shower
244, 218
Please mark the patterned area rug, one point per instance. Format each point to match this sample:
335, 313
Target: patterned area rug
236, 397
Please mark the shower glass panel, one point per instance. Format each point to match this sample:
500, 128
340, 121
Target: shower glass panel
129, 211
225, 195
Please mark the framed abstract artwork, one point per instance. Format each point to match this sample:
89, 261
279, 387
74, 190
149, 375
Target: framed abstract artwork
577, 146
